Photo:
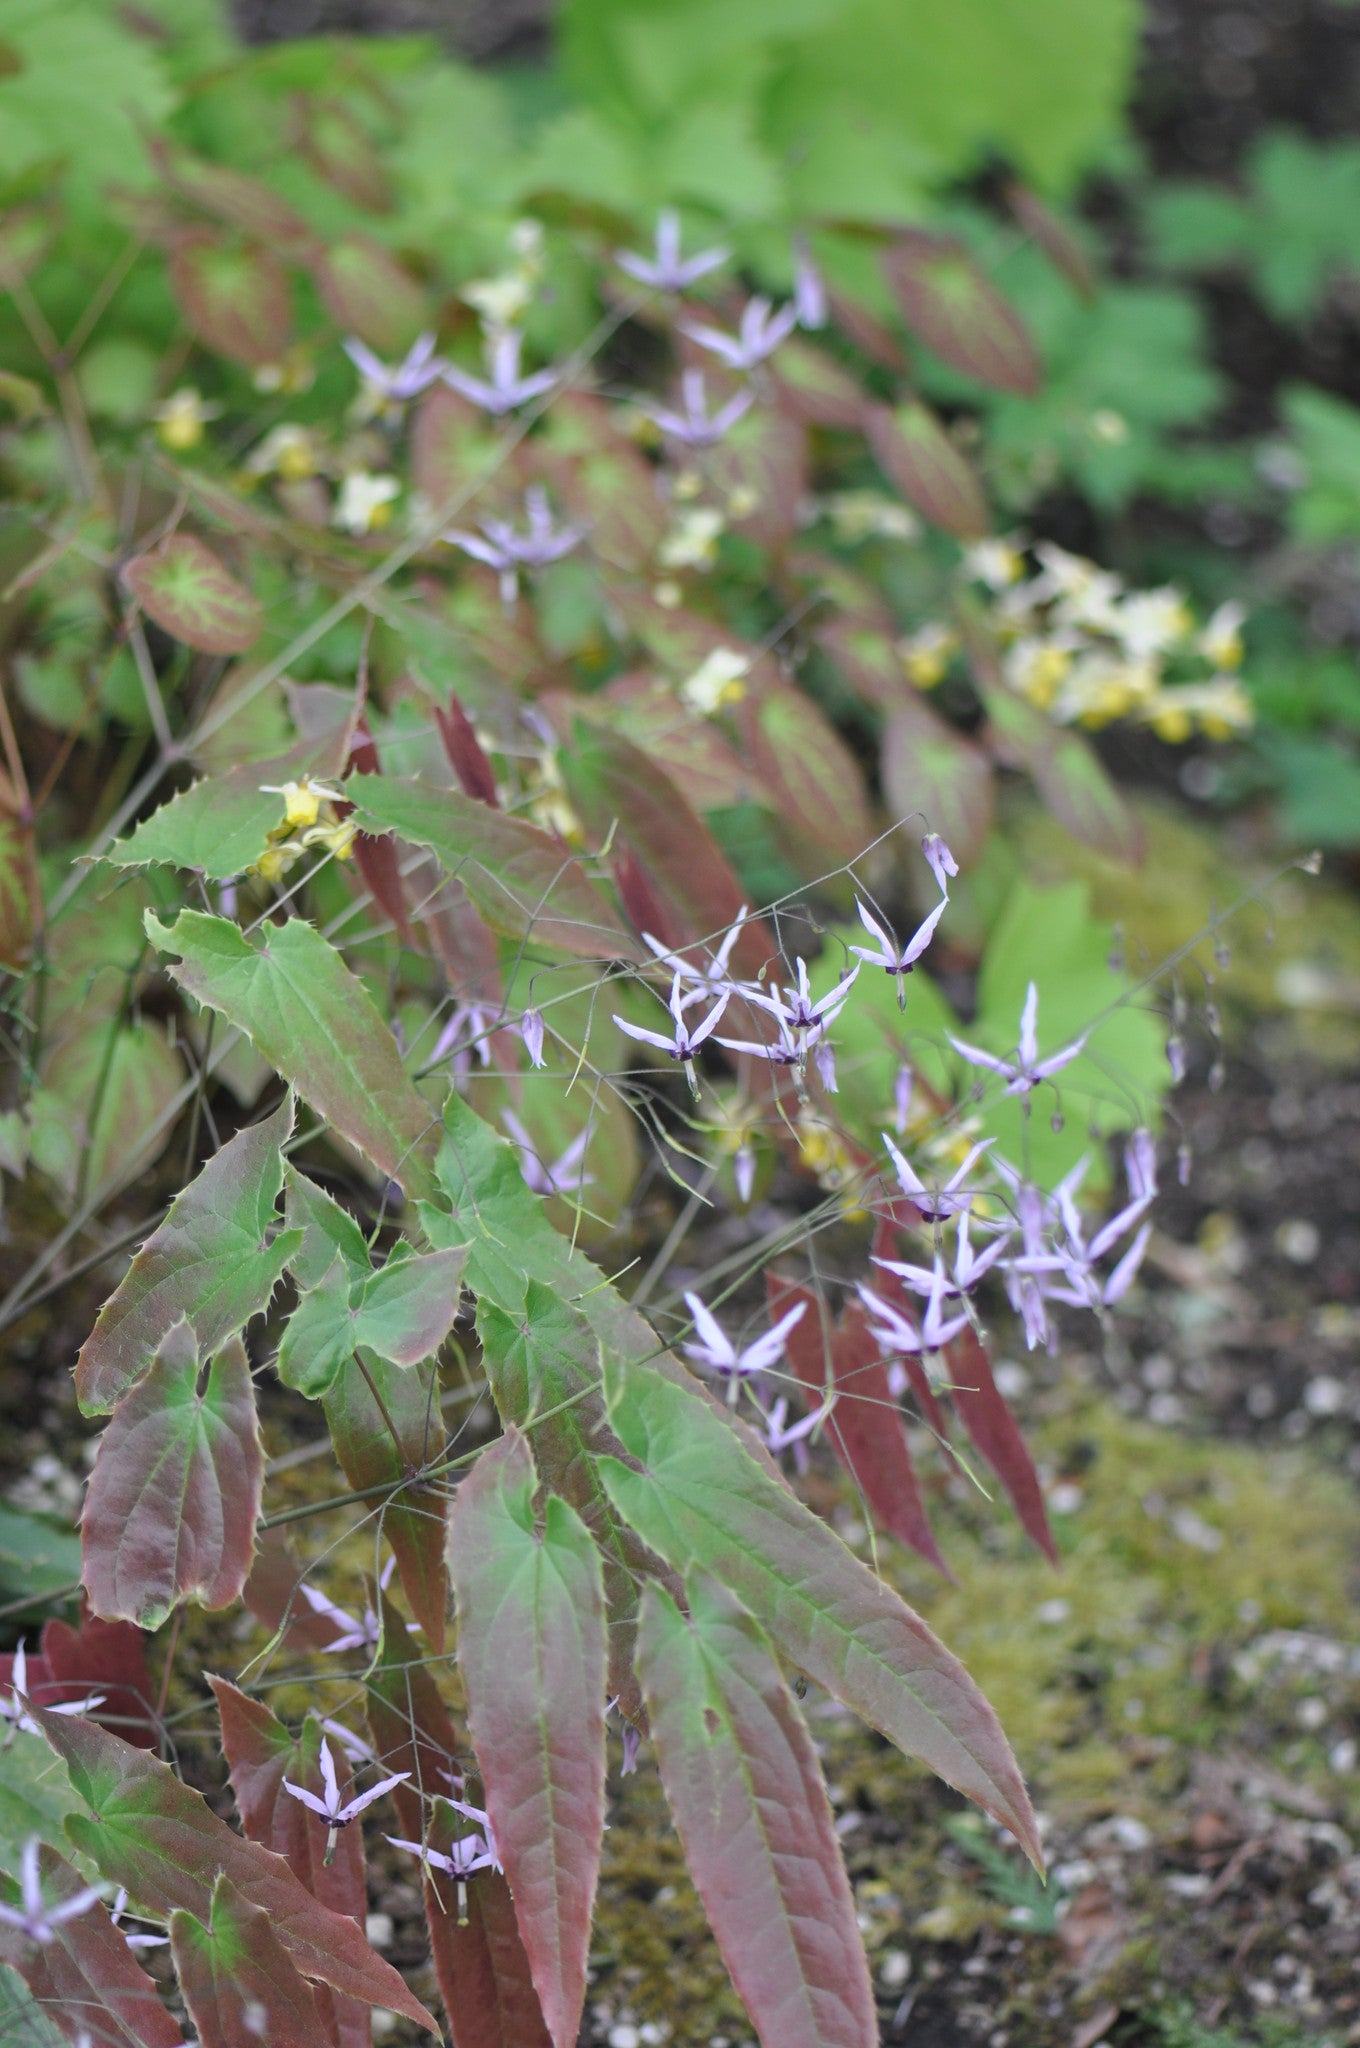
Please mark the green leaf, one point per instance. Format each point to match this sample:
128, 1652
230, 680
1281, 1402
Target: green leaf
175, 1491
209, 1261
314, 1021
35, 1795
326, 1229
234, 296
957, 311
20, 889
522, 880
185, 588
412, 1513
87, 1976
368, 293
38, 1557
220, 826
1070, 780
84, 92
108, 1106
403, 1312
743, 1782
148, 1831
531, 1600
239, 1981
933, 772
914, 452
704, 1503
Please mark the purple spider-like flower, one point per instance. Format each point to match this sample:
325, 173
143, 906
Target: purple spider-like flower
38, 1921
788, 1050
1026, 1070
353, 1632
940, 860
694, 425
809, 289
757, 337
893, 1331
417, 370
471, 1852
744, 1170
904, 1087
666, 270
1084, 1287
886, 953
683, 1043
716, 1353
796, 1007
508, 551
336, 1812
467, 1030
531, 1031
503, 388
15, 1709
967, 1270
782, 1435
564, 1177
714, 975
938, 1204
118, 1911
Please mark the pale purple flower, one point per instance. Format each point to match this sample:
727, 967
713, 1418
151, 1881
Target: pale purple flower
503, 388
694, 425
39, 1922
352, 1633
467, 1029
711, 977
417, 369
942, 862
507, 550
356, 1749
886, 953
795, 1006
531, 1031
116, 1914
565, 1176
335, 1811
1026, 1070
788, 1050
666, 270
758, 336
683, 1043
632, 1743
824, 1059
893, 1331
1175, 1057
476, 1851
744, 1170
904, 1084
782, 1435
809, 289
716, 1353
938, 1203
963, 1276
16, 1708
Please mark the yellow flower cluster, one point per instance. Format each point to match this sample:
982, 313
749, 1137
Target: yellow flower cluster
303, 826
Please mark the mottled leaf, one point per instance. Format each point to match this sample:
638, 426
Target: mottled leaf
367, 292
413, 1512
743, 1783
403, 1312
234, 198
107, 1657
327, 1230
522, 880
983, 1412
959, 313
148, 1831
604, 482
479, 1958
1070, 780
814, 780
175, 1491
88, 1978
185, 588
273, 1594
315, 1022
209, 1260
530, 1600
35, 1792
815, 388
239, 1981
338, 148
933, 773
760, 468
914, 452
408, 1720
112, 1091
452, 447
696, 753
703, 1502
234, 296
1054, 236
20, 887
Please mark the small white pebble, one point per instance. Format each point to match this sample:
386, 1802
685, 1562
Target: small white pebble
1072, 1876
1194, 1530
1311, 1713
1262, 1992
1261, 1400
1158, 1372
1011, 1381
383, 2022
894, 1969
624, 2036
1298, 1240
1167, 1409
1324, 1395
1133, 1710
379, 1929
1187, 1884
1250, 1612
1065, 1498
1053, 1613
652, 2033
1130, 1833
1342, 1755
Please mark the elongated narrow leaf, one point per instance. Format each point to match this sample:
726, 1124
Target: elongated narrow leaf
1056, 238
914, 452
368, 293
231, 196
234, 296
409, 1721
958, 312
313, 1020
20, 886
743, 1782
239, 1982
148, 1831
187, 590
479, 1958
522, 880
260, 1754
704, 1503
209, 1262
175, 1491
815, 781
989, 1422
604, 481
1070, 780
531, 1601
87, 1977
865, 1427
932, 772
412, 1513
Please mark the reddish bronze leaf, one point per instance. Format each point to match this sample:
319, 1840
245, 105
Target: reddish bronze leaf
107, 1657
932, 772
87, 1978
1070, 780
466, 756
479, 1961
239, 1981
815, 781
914, 452
814, 388
989, 1422
272, 1594
234, 296
959, 312
603, 481
338, 148
184, 588
408, 1720
235, 199
412, 1514
1055, 238
367, 292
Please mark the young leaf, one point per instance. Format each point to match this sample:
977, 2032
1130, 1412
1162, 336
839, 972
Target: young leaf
184, 588
1070, 780
408, 1720
219, 826
933, 772
316, 1023
914, 452
107, 1657
326, 1229
865, 1427
87, 1977
239, 1981
815, 781
208, 1261
403, 1312
743, 1782
234, 296
479, 1960
531, 1601
412, 1513
959, 313
148, 1831
368, 293
989, 1422
522, 880
703, 1502
1055, 237
175, 1491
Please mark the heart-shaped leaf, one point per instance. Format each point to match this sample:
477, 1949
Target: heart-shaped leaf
368, 293
914, 452
187, 590
959, 312
234, 296
239, 1981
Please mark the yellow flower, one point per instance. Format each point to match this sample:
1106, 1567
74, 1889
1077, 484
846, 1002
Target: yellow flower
868, 515
365, 502
997, 563
824, 1154
1221, 640
338, 837
925, 655
1108, 427
692, 542
716, 682
274, 863
180, 420
289, 451
1036, 668
293, 372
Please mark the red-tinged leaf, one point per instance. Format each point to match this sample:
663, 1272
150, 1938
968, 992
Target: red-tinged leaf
408, 1721
914, 452
367, 292
816, 784
260, 1754
273, 1595
702, 1501
175, 1491
107, 1657
993, 1429
208, 1261
522, 880
743, 1783
813, 387
316, 1024
413, 1513
1070, 780
403, 1312
701, 761
867, 659
958, 312
894, 1290
932, 772
234, 297
640, 900
479, 1960
376, 856
87, 1978
530, 1599
871, 336
466, 755
677, 640
232, 197
865, 1427
602, 480
161, 1839
452, 448
761, 469
239, 1982
1055, 238
184, 588
339, 150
